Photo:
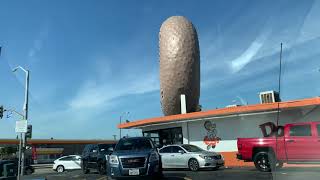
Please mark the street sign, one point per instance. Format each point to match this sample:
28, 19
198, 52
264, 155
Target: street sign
21, 126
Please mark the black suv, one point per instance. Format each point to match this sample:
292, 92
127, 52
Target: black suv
137, 156
94, 156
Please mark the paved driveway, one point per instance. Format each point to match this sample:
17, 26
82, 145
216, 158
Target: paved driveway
222, 174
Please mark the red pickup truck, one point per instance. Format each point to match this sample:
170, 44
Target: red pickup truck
292, 143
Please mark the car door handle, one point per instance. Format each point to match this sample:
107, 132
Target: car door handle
291, 140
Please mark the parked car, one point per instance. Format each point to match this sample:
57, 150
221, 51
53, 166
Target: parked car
28, 169
94, 156
137, 157
292, 143
70, 162
189, 156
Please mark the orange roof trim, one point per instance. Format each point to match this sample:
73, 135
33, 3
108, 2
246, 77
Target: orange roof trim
224, 111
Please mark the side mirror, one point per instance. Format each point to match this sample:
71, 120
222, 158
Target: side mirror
181, 151
110, 149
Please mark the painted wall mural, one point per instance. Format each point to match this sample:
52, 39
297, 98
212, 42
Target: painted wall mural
211, 139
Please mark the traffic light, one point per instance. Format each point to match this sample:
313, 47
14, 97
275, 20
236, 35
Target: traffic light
29, 132
1, 112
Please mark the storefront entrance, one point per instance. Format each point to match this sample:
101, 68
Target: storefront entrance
165, 136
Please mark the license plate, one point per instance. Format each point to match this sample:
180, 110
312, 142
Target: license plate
133, 172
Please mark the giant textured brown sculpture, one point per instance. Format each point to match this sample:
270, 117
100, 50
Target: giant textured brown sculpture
179, 65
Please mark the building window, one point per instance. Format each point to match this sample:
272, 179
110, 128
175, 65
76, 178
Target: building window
165, 136
154, 135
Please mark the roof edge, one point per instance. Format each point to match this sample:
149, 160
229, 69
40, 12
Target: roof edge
224, 111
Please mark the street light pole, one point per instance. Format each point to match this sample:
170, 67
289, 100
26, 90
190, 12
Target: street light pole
25, 109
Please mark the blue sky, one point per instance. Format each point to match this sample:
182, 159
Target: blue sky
90, 61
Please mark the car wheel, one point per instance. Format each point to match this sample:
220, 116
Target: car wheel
102, 168
60, 169
85, 169
264, 161
193, 165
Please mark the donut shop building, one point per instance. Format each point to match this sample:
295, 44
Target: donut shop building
218, 129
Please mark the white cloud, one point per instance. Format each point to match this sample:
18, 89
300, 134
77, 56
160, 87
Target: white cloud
248, 56
310, 29
93, 94
38, 42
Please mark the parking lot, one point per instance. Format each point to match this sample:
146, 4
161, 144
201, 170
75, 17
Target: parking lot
291, 173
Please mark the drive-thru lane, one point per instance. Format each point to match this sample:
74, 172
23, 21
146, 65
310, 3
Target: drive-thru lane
248, 173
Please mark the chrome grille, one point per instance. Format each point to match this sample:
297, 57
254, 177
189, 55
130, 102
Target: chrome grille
135, 162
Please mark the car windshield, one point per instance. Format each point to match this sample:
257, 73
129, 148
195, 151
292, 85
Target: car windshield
134, 144
192, 148
104, 147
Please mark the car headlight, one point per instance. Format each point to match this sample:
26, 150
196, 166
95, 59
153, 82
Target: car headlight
113, 160
154, 157
221, 156
205, 157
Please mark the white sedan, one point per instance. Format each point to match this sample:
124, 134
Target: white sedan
70, 162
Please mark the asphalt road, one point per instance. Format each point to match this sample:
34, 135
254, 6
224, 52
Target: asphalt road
221, 174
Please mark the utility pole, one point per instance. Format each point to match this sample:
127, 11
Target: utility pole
25, 109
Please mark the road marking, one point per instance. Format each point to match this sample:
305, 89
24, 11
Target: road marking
187, 178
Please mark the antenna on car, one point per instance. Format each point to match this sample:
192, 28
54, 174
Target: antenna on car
279, 84
279, 91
